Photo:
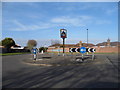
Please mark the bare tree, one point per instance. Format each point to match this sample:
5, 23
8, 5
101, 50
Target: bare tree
54, 42
31, 44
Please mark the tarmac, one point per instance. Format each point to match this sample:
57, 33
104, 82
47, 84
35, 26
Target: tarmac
59, 60
53, 71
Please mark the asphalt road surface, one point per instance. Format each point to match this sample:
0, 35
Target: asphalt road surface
99, 73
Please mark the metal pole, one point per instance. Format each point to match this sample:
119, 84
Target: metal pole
52, 51
93, 56
63, 46
87, 40
82, 57
58, 51
35, 54
87, 37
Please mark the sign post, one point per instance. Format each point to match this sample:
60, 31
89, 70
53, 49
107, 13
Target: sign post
58, 51
63, 34
34, 53
82, 57
92, 55
83, 50
93, 50
63, 45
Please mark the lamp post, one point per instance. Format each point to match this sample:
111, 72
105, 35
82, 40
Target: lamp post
87, 40
87, 37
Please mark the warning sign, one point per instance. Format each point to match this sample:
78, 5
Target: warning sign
63, 33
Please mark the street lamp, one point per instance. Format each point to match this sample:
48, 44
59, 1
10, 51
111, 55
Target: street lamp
87, 40
87, 37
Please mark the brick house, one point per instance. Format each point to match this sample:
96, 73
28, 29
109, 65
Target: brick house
105, 47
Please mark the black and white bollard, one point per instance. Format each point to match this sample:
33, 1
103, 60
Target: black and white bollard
34, 56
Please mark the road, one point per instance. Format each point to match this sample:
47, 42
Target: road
99, 73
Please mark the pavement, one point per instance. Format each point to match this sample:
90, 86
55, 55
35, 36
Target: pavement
53, 71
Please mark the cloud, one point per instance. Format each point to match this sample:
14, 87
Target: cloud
103, 22
64, 21
75, 21
79, 21
22, 27
111, 11
72, 20
21, 42
35, 5
83, 6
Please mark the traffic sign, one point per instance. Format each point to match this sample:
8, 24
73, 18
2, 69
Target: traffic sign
90, 49
34, 51
63, 33
83, 50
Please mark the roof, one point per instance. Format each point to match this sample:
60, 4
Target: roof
17, 47
111, 44
72, 45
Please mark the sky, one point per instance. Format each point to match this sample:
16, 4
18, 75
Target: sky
42, 21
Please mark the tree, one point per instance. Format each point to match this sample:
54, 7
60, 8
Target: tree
31, 44
7, 43
43, 48
53, 42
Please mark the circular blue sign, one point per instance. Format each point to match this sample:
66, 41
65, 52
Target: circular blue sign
34, 51
82, 50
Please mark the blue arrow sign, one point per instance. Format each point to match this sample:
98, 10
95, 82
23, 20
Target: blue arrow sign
82, 50
34, 51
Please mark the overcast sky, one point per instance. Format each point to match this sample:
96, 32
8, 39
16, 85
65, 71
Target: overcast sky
42, 21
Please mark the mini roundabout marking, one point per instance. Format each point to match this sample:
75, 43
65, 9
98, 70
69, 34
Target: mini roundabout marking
61, 61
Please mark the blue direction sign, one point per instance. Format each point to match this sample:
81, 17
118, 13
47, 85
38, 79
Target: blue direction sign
82, 50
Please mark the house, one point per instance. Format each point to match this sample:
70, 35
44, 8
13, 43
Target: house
17, 48
107, 47
3, 49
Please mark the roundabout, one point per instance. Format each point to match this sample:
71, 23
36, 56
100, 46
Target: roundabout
59, 60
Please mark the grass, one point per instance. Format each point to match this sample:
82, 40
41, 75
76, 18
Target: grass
6, 54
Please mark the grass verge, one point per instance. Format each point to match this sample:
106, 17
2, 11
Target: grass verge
6, 54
